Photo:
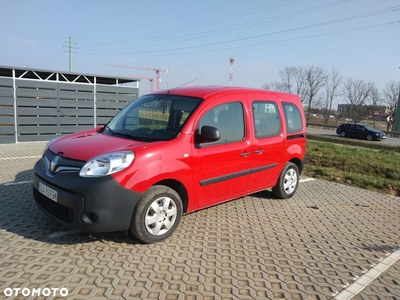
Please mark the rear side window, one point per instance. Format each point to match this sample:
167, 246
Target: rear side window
266, 119
360, 128
294, 121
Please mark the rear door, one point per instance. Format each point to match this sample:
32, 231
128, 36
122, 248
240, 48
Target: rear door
221, 168
268, 143
351, 130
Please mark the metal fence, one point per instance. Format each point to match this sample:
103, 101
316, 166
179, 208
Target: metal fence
39, 105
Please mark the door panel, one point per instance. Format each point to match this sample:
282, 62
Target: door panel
221, 168
268, 144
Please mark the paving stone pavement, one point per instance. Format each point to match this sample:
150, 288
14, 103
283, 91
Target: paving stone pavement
312, 246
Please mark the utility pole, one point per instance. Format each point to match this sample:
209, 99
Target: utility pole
396, 125
70, 48
70, 53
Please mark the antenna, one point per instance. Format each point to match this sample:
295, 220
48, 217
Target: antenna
169, 91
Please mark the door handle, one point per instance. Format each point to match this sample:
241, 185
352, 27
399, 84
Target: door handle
245, 153
259, 151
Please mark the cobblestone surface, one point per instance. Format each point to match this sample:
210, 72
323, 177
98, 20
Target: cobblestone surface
311, 246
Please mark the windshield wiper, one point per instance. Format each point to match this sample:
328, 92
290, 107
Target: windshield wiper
136, 138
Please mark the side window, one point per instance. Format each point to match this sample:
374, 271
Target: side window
228, 119
266, 119
294, 121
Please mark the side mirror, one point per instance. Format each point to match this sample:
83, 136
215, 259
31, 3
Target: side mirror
207, 134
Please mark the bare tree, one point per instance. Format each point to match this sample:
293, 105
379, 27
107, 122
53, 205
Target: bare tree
286, 75
358, 94
391, 94
291, 81
275, 85
299, 79
302, 81
375, 99
333, 81
314, 78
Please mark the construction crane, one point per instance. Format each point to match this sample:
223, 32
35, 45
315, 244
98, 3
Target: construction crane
151, 80
143, 68
232, 63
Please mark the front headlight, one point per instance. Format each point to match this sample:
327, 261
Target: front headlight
107, 164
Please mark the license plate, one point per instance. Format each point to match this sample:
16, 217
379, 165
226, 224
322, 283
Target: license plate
48, 192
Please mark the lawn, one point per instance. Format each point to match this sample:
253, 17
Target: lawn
372, 169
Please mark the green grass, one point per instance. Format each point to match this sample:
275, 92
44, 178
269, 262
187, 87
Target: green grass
371, 169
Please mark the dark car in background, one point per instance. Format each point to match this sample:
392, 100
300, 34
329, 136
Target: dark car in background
360, 131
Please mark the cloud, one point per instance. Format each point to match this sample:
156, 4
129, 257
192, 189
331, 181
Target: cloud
29, 42
26, 42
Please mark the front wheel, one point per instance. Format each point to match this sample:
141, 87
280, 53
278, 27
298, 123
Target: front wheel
369, 137
287, 182
157, 214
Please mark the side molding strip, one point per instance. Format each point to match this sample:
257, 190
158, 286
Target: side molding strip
235, 175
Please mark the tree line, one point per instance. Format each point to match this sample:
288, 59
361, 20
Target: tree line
318, 88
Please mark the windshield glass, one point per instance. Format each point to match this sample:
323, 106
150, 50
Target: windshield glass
153, 117
369, 128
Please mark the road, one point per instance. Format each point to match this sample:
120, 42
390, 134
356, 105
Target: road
387, 141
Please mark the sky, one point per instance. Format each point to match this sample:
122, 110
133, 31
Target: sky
195, 40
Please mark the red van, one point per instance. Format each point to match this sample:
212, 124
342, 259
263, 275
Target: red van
170, 153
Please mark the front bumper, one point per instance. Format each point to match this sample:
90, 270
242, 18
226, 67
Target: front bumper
85, 204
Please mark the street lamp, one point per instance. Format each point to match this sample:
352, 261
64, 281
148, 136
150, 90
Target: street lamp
175, 63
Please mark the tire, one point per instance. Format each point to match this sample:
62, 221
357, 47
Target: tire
369, 137
343, 134
288, 182
157, 214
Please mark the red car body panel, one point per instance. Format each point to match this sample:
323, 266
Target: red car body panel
208, 174
179, 160
87, 144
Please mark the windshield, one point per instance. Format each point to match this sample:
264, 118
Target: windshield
369, 128
153, 117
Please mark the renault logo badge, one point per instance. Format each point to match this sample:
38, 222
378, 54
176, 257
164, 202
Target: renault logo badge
54, 163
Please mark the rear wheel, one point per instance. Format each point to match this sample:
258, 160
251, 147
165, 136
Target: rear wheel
157, 214
343, 134
287, 182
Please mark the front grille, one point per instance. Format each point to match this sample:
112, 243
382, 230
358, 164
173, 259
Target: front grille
59, 211
60, 164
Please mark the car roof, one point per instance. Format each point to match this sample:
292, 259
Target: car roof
360, 124
206, 91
